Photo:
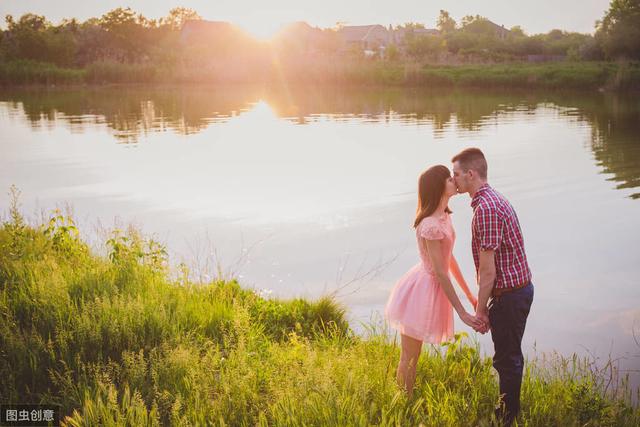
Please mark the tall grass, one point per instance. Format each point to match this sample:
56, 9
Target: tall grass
116, 341
586, 75
25, 72
563, 75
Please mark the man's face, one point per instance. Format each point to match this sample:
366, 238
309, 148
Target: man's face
460, 178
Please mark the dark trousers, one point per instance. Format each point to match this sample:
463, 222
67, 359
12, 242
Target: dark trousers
508, 317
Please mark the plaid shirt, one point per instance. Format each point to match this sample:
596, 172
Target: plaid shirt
495, 226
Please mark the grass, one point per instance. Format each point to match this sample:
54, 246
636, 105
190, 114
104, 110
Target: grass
562, 75
24, 72
589, 75
118, 340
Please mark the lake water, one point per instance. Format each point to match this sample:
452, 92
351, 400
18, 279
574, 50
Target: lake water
305, 191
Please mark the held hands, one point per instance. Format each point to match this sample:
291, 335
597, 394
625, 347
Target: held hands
472, 321
482, 315
479, 322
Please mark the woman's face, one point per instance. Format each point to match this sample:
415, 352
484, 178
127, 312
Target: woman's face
450, 188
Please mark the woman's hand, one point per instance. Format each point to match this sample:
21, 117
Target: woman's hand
471, 321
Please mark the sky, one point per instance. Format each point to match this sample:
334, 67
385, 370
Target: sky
263, 18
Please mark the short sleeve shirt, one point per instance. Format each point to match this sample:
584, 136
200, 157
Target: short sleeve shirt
495, 226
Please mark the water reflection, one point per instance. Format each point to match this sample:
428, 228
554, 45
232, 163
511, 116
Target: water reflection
615, 140
133, 111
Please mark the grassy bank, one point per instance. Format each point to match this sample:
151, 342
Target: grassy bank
117, 340
562, 75
31, 72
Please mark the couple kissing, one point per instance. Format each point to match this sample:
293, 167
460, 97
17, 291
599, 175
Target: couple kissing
421, 303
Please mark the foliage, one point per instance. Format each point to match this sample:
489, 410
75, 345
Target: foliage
124, 46
420, 47
178, 16
114, 341
446, 24
30, 72
619, 30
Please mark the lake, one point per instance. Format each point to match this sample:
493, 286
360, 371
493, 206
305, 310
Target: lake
302, 191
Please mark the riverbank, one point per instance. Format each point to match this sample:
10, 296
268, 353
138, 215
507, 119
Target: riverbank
591, 76
116, 339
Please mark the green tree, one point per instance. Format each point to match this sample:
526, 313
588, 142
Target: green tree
517, 31
446, 24
178, 16
33, 37
411, 26
130, 36
117, 19
421, 47
26, 37
392, 53
619, 30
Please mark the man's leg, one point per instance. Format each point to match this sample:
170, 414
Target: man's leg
508, 316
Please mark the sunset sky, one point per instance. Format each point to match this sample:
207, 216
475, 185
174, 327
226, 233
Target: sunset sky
264, 17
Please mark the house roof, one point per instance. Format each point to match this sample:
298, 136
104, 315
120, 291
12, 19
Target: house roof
499, 28
354, 33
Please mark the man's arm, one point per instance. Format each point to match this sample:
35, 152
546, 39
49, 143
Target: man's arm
486, 280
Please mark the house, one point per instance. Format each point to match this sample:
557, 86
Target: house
371, 38
365, 37
500, 31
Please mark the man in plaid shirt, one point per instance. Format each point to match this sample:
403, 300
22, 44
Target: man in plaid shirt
504, 278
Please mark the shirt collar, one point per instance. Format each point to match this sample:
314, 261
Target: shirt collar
476, 197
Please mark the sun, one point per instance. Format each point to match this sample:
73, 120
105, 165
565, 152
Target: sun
260, 29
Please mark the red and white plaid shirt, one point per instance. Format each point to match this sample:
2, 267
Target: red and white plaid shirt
495, 226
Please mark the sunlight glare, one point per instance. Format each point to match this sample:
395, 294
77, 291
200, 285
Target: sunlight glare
261, 29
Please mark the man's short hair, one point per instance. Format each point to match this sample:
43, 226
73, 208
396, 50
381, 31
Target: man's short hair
472, 158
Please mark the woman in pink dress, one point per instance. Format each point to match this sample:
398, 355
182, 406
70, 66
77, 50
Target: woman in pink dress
421, 303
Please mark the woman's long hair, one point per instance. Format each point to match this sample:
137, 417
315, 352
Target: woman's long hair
431, 186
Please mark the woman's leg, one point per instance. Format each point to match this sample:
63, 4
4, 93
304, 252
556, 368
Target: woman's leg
409, 354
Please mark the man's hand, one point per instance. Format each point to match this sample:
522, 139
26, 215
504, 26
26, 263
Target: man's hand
482, 314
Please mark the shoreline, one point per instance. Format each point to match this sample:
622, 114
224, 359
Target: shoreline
575, 76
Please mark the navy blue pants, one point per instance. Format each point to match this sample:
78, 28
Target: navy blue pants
508, 317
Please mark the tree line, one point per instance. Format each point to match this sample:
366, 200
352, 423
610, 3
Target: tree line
124, 36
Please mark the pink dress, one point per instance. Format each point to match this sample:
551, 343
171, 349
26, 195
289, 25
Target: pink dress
417, 306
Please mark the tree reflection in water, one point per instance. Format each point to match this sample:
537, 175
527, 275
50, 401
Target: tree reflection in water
132, 111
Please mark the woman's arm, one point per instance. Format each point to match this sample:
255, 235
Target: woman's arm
435, 255
457, 273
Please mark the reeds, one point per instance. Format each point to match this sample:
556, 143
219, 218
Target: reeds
562, 75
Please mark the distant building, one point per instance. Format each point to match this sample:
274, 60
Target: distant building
500, 31
365, 37
370, 38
